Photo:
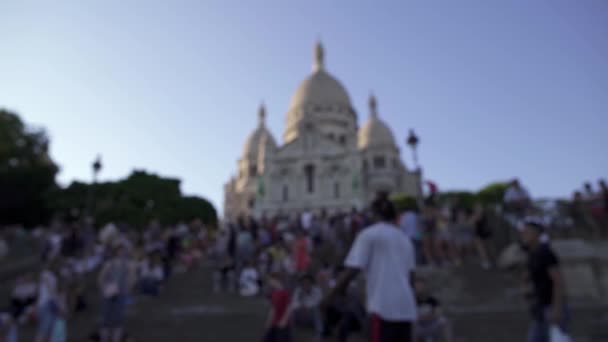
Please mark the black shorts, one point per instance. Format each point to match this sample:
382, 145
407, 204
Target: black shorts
483, 233
390, 331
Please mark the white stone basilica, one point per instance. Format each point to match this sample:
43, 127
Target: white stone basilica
326, 161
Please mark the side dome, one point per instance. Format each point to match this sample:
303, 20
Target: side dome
320, 87
260, 140
375, 133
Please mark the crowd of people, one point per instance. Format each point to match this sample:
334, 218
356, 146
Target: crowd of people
112, 267
304, 263
296, 261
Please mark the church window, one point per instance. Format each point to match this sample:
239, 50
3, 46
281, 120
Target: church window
342, 140
309, 171
379, 162
285, 193
251, 203
331, 136
317, 108
253, 170
337, 190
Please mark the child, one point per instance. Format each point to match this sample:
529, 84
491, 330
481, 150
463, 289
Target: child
277, 324
431, 322
151, 275
305, 306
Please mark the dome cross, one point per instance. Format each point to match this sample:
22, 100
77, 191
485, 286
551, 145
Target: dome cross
373, 105
319, 57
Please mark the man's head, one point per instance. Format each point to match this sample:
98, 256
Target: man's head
384, 209
531, 232
515, 183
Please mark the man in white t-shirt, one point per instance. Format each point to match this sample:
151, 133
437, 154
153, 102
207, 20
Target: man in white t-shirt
386, 257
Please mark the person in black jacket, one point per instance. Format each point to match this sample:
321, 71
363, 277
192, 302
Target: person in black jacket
547, 293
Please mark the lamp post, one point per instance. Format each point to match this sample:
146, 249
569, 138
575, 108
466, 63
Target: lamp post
96, 168
412, 141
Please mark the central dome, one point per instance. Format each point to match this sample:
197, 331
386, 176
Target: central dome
319, 88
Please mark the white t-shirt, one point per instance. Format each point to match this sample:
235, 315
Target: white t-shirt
386, 257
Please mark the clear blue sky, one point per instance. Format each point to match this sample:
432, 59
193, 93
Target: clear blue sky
495, 89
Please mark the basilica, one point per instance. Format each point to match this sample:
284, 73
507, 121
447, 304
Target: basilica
326, 161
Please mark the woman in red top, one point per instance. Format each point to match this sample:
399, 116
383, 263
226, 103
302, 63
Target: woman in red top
301, 252
277, 325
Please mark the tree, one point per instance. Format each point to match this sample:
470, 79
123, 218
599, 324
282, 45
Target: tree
404, 202
492, 193
463, 199
135, 200
27, 174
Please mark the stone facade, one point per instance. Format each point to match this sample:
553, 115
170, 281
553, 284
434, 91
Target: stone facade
326, 161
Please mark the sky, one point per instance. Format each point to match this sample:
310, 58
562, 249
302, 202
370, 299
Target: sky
494, 89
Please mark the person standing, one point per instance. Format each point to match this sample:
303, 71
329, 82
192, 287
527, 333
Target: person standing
305, 305
301, 249
547, 295
386, 256
277, 324
115, 281
483, 233
410, 225
47, 301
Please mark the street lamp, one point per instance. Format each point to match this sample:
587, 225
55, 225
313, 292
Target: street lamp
96, 168
412, 141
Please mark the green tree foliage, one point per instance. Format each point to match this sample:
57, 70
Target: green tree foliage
135, 200
27, 174
463, 199
493, 193
404, 202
